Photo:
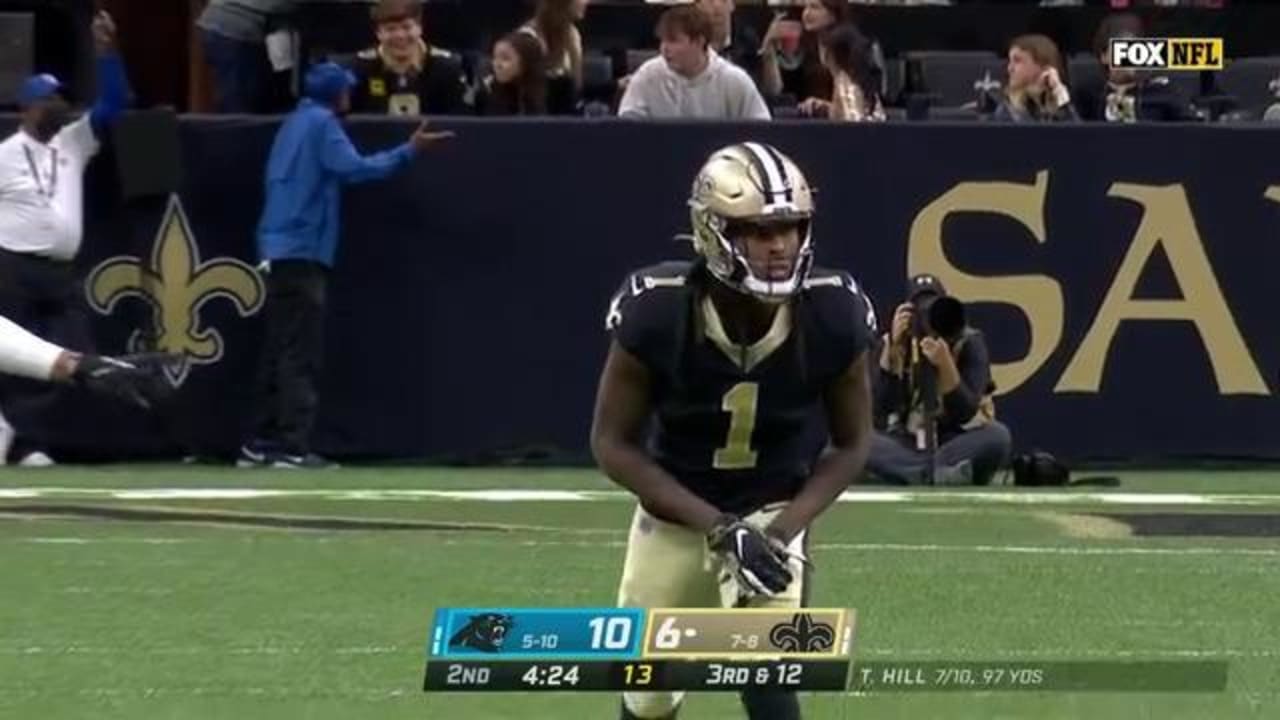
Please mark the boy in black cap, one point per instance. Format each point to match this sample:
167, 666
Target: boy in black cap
930, 350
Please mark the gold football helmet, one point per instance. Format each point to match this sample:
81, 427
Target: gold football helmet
750, 183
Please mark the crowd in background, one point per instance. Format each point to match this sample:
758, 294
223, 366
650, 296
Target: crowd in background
814, 62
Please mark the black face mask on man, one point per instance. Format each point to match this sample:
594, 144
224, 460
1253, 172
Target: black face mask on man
51, 122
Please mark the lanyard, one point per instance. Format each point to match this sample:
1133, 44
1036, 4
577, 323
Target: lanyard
35, 172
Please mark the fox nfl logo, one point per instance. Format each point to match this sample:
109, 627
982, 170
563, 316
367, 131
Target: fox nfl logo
1167, 53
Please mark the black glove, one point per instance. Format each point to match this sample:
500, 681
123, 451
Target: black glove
757, 560
138, 379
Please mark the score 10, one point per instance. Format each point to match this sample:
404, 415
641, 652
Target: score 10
513, 633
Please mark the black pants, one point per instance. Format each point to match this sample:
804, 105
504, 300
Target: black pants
46, 298
289, 370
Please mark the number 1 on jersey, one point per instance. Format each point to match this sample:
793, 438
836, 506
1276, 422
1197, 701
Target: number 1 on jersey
740, 402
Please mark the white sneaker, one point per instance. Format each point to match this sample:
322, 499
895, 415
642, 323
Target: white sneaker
37, 460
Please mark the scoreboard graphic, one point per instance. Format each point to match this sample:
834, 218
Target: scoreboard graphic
614, 649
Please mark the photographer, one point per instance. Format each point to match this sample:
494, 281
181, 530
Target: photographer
933, 398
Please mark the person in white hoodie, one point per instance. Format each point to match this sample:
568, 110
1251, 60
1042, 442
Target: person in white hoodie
688, 79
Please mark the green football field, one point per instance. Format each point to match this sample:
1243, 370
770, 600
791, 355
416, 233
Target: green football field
184, 592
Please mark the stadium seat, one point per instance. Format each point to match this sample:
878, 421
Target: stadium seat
952, 78
895, 79
597, 77
1253, 82
954, 113
1084, 70
636, 58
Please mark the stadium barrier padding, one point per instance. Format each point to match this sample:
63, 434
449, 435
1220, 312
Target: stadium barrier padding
1125, 276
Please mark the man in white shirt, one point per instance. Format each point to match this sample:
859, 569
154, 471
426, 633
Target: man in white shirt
688, 79
41, 216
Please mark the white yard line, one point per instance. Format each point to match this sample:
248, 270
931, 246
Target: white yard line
529, 495
613, 545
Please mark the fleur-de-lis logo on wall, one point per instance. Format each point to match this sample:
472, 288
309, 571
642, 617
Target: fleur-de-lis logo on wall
176, 284
802, 634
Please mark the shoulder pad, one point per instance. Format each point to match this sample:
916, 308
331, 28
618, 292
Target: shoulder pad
649, 312
368, 54
663, 276
838, 289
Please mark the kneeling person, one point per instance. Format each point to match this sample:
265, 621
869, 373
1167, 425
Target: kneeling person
931, 349
748, 359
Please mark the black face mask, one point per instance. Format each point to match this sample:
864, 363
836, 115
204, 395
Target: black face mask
50, 122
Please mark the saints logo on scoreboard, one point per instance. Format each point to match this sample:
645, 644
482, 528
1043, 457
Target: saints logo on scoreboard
803, 634
485, 632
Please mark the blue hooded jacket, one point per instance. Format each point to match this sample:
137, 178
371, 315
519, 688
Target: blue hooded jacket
311, 159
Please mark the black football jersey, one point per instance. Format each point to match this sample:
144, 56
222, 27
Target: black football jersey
436, 88
739, 426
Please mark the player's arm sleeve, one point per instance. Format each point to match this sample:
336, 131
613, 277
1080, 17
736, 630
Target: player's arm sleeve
113, 95
974, 364
628, 319
341, 158
24, 354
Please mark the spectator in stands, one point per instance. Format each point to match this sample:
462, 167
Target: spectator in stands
518, 83
688, 79
1125, 95
737, 43
555, 24
403, 74
930, 345
846, 53
790, 65
311, 159
233, 35
1035, 91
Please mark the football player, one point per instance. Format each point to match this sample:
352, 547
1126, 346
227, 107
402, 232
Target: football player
749, 359
136, 378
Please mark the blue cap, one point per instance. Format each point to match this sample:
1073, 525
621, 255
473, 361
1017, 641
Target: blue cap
37, 88
326, 81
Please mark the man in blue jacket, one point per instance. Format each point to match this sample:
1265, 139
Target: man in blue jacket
297, 240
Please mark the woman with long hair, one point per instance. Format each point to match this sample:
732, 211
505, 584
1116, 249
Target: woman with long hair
554, 23
790, 64
518, 83
855, 96
1035, 91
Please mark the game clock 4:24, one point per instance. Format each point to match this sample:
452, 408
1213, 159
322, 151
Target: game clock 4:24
551, 676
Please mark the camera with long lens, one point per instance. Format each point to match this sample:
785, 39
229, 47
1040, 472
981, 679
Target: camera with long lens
939, 316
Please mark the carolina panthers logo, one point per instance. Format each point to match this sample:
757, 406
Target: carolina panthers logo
485, 633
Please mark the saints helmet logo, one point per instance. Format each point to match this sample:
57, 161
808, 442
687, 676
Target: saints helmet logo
176, 284
802, 634
485, 633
